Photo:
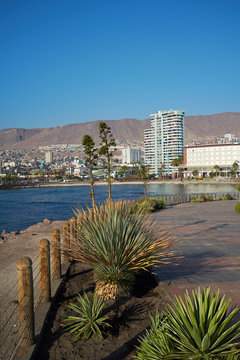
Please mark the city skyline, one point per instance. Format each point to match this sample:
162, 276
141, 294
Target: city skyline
76, 62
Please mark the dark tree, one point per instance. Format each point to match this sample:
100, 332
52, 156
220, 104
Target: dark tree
91, 159
144, 176
107, 141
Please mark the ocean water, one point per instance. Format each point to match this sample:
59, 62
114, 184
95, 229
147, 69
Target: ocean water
20, 208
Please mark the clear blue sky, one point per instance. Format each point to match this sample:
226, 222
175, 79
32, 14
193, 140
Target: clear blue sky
69, 61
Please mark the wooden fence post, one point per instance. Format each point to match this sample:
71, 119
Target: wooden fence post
174, 200
166, 200
185, 198
66, 240
181, 198
44, 269
56, 254
177, 199
25, 302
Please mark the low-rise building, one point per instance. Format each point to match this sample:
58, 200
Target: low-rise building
205, 157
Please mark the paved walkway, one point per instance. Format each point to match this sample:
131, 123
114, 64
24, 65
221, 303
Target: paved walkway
208, 246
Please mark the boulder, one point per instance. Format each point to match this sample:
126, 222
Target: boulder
46, 221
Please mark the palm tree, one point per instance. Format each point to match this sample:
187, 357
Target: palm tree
160, 170
177, 161
235, 167
216, 168
107, 141
144, 176
91, 158
195, 173
180, 171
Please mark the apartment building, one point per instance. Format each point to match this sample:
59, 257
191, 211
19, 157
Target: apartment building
164, 141
48, 157
131, 155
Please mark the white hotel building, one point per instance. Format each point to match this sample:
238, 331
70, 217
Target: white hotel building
205, 157
164, 141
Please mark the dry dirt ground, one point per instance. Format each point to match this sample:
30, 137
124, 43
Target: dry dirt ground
128, 318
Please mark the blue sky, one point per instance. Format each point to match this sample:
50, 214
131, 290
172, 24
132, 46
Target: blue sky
71, 61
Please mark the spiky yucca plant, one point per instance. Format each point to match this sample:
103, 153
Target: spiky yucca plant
201, 329
87, 319
116, 243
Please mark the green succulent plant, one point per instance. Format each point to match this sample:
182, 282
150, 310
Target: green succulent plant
87, 320
200, 329
116, 243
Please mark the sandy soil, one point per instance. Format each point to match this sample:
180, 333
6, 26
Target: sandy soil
15, 245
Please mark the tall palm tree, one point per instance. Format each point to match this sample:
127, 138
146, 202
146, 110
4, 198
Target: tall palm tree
144, 176
180, 171
216, 168
235, 167
195, 173
160, 170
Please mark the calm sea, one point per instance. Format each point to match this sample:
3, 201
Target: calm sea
25, 207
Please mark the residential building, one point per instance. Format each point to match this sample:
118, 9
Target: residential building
48, 157
205, 157
164, 141
131, 155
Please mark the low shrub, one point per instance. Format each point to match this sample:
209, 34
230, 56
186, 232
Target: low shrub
238, 187
195, 199
209, 198
153, 204
87, 320
237, 208
219, 198
203, 198
227, 197
201, 328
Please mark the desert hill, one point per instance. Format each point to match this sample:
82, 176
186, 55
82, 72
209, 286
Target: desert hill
124, 130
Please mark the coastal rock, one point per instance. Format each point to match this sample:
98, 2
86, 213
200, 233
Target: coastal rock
46, 221
4, 232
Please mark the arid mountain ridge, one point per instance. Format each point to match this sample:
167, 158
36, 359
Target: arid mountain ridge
124, 130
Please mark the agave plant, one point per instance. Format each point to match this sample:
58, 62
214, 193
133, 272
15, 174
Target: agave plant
199, 329
116, 243
156, 344
87, 320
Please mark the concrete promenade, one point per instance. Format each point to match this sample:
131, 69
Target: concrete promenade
208, 245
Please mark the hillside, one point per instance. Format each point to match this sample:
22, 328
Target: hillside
123, 130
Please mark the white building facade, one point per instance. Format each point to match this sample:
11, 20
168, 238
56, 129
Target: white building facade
205, 157
48, 157
164, 141
131, 155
